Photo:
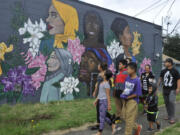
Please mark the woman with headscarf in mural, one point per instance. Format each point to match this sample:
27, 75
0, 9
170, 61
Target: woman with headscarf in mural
60, 66
121, 29
62, 22
93, 30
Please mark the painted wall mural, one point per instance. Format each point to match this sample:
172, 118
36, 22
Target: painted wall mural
57, 58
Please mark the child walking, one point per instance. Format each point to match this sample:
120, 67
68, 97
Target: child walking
103, 99
131, 95
102, 67
152, 107
119, 86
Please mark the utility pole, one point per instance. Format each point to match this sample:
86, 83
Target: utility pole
168, 23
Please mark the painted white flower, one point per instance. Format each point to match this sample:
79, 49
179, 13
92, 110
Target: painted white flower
69, 85
36, 34
23, 30
115, 49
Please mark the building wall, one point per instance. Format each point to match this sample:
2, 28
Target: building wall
81, 37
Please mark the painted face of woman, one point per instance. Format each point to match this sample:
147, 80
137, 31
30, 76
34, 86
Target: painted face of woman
89, 64
92, 26
126, 37
53, 62
55, 23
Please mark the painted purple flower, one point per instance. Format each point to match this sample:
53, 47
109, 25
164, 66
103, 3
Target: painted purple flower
17, 76
8, 84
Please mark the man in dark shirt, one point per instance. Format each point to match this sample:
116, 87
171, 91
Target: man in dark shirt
171, 86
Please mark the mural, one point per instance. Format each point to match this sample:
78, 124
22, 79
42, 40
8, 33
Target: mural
58, 60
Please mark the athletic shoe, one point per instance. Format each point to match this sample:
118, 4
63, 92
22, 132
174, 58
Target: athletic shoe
138, 131
149, 130
172, 122
158, 126
96, 127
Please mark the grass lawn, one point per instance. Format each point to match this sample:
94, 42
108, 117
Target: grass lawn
34, 119
173, 130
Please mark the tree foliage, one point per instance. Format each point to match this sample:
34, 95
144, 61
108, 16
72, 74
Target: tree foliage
172, 46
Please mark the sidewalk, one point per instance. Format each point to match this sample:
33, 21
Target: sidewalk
141, 120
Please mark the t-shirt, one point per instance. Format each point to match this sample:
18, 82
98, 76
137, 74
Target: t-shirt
102, 90
132, 86
146, 79
120, 79
170, 77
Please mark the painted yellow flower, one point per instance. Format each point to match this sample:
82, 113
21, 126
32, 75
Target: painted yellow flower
136, 43
3, 50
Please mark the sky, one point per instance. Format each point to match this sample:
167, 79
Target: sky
153, 14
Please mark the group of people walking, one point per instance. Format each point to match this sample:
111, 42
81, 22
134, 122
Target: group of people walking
129, 90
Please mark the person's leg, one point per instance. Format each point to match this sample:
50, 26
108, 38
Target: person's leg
96, 127
151, 125
97, 109
102, 113
111, 122
131, 110
171, 107
118, 107
158, 125
166, 101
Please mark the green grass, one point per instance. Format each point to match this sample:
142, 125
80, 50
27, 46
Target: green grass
17, 120
173, 130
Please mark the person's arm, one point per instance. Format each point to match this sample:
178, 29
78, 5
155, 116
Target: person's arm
160, 79
108, 98
95, 102
178, 86
131, 96
95, 91
159, 82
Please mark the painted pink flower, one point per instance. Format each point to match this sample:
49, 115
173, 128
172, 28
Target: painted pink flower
76, 49
112, 68
38, 61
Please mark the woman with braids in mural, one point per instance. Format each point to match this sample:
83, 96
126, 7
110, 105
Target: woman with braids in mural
62, 22
121, 29
60, 66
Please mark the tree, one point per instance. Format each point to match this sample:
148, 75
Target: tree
172, 46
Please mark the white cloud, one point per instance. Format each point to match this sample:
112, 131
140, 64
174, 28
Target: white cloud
132, 7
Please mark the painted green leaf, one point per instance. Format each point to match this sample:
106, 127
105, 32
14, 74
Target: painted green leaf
1, 87
75, 70
83, 91
5, 67
65, 45
31, 71
80, 35
57, 85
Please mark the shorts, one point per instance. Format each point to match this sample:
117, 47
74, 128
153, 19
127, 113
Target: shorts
152, 117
